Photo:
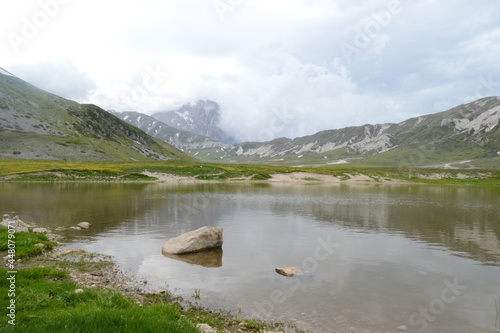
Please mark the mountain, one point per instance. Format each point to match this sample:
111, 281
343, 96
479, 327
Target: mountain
467, 136
183, 140
201, 117
37, 124
466, 132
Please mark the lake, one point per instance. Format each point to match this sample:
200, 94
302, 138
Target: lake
386, 258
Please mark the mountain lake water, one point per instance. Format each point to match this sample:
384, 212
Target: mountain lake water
382, 258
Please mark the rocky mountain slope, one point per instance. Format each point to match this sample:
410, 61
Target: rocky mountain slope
465, 132
468, 135
183, 140
37, 124
200, 117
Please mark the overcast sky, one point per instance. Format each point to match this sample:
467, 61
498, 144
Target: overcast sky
276, 67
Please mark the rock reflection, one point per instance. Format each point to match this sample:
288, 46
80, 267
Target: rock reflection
207, 258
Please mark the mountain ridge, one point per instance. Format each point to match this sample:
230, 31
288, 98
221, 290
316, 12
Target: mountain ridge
200, 117
467, 131
40, 125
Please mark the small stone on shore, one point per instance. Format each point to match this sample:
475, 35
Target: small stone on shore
73, 251
205, 328
53, 237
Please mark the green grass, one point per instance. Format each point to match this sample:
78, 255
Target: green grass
3, 104
222, 320
46, 302
84, 264
254, 324
311, 179
25, 243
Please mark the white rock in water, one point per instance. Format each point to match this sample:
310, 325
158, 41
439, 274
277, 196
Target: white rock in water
84, 225
289, 271
40, 230
198, 240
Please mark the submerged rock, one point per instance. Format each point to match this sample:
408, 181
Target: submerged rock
40, 230
73, 252
84, 225
290, 271
194, 241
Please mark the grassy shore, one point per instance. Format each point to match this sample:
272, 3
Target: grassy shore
55, 170
48, 298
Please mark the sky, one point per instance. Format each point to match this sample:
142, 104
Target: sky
277, 68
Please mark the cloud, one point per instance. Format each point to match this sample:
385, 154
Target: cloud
283, 97
277, 68
60, 77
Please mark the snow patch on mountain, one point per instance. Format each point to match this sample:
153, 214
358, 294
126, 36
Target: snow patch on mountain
186, 116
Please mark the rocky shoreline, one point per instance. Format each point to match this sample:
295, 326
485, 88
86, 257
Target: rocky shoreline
98, 271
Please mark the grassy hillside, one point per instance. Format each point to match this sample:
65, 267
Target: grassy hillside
36, 124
